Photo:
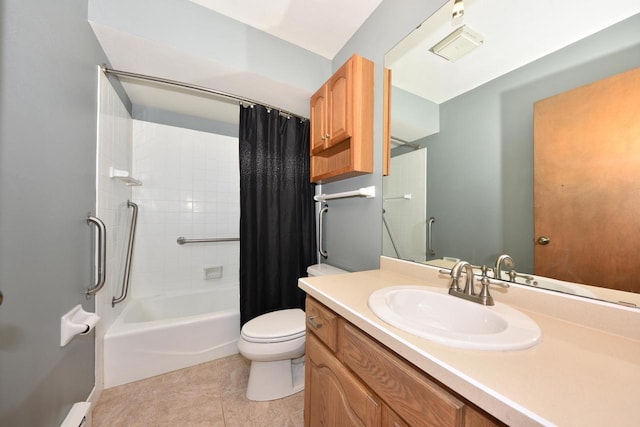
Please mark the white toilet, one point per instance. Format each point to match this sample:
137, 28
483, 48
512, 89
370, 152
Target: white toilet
274, 342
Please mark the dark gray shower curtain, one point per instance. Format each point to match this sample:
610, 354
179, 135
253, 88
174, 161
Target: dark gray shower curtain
277, 221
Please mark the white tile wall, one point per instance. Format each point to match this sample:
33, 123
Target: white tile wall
191, 188
114, 150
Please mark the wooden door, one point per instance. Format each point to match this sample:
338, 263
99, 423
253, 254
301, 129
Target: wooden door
339, 94
333, 395
587, 183
318, 120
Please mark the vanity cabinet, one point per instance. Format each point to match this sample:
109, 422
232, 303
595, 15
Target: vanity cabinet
353, 380
341, 123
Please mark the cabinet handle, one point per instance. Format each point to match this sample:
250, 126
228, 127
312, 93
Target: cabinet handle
313, 323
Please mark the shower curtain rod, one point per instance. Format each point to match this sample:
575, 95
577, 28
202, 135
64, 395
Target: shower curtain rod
241, 100
403, 142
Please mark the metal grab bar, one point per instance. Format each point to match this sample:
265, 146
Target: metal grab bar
102, 254
430, 250
127, 265
393, 242
321, 249
182, 241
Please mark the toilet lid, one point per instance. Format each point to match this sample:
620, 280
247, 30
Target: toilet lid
277, 326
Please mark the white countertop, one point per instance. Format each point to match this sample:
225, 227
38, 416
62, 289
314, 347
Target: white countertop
585, 371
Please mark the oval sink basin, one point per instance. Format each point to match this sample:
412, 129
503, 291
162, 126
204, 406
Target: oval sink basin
433, 314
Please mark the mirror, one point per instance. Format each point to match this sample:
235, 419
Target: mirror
475, 115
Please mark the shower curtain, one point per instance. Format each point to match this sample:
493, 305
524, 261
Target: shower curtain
277, 221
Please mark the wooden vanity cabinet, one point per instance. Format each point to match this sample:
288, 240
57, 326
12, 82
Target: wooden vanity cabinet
341, 123
353, 380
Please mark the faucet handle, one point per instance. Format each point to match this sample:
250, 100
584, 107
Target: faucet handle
485, 281
454, 279
513, 275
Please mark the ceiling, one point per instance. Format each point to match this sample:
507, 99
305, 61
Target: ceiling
300, 22
515, 32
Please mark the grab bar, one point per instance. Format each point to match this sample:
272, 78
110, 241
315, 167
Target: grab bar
368, 192
182, 241
102, 254
321, 249
393, 242
127, 265
430, 250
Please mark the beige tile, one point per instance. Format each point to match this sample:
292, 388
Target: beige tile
234, 374
211, 394
241, 412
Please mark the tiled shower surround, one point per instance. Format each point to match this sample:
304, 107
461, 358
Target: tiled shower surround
191, 189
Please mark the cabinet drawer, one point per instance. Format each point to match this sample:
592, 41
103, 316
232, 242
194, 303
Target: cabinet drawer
415, 398
322, 322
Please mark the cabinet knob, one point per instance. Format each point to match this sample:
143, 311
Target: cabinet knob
327, 136
323, 137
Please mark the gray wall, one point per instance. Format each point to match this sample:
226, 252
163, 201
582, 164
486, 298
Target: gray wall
48, 83
353, 227
480, 167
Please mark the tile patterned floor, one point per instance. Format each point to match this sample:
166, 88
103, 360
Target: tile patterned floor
211, 394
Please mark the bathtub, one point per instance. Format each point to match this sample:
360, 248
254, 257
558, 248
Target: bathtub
160, 334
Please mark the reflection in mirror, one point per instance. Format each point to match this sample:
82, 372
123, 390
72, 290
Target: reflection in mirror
404, 204
475, 117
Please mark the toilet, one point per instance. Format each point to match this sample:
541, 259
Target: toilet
274, 343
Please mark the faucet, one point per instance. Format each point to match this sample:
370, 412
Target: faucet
468, 293
508, 262
455, 276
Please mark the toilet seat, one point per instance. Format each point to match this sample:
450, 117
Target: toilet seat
277, 326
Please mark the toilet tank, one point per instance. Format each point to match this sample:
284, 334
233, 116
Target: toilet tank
323, 270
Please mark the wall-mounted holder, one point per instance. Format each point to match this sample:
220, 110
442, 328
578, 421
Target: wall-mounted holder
368, 192
76, 322
124, 176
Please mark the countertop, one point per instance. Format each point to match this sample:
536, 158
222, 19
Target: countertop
585, 371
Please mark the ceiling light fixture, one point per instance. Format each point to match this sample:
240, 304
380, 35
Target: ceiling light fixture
457, 44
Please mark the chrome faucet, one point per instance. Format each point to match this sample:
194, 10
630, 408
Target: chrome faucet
456, 273
468, 293
507, 261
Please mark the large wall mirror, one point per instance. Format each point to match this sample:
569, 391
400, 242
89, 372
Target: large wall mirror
467, 111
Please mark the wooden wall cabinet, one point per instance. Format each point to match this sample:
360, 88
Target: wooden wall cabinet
353, 380
341, 123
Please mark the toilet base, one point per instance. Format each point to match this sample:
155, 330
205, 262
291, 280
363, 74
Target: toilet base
275, 380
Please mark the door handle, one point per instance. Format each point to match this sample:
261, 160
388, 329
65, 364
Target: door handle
543, 240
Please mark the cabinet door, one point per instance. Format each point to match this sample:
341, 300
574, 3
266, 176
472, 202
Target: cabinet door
410, 393
318, 121
340, 94
333, 395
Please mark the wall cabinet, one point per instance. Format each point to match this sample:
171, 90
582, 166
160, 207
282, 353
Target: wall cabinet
353, 380
341, 123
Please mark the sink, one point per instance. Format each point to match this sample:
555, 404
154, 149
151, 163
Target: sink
433, 314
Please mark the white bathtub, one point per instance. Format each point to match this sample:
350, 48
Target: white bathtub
160, 334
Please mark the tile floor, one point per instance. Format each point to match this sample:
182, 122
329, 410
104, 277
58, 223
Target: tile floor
211, 394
